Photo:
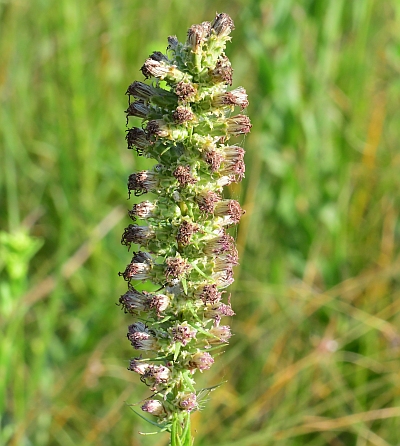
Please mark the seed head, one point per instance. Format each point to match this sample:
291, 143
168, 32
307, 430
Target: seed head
140, 90
185, 91
201, 361
185, 232
154, 407
136, 137
184, 176
141, 338
182, 114
176, 267
183, 333
238, 125
236, 97
138, 109
188, 402
222, 334
197, 35
222, 25
223, 71
142, 210
142, 182
229, 210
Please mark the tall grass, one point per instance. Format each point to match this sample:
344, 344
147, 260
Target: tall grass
316, 356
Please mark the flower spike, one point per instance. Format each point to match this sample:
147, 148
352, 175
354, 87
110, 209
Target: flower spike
188, 116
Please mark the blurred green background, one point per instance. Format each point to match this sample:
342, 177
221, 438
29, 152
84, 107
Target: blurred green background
315, 359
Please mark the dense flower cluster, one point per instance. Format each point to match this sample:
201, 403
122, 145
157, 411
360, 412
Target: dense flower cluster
185, 249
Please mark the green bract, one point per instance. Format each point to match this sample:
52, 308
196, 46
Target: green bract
185, 250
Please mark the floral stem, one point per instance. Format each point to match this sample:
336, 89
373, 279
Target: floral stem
181, 431
186, 252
